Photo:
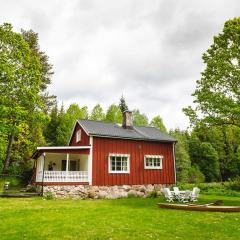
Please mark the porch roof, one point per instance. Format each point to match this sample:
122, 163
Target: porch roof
61, 149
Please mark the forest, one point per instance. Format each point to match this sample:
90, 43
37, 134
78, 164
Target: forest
208, 151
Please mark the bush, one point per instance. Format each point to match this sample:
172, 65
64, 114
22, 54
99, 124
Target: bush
222, 189
233, 184
131, 195
195, 175
15, 182
48, 196
153, 194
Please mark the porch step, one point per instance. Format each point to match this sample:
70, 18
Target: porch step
19, 195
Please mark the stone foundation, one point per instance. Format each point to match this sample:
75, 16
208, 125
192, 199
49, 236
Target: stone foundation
99, 192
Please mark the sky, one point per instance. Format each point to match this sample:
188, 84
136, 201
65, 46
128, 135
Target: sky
149, 51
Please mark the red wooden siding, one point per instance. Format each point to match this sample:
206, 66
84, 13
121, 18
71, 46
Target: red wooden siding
84, 137
137, 149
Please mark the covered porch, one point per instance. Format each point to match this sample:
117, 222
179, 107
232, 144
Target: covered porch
63, 165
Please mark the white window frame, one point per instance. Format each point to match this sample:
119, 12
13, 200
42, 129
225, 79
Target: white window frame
78, 135
118, 155
153, 157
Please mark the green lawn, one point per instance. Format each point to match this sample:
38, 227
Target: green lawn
131, 218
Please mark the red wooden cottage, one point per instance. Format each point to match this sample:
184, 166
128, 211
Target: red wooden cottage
107, 154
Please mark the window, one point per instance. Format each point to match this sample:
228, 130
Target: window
153, 161
73, 165
118, 163
78, 136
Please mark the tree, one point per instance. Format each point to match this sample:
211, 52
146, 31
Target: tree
20, 81
205, 157
157, 122
114, 114
67, 121
51, 129
225, 140
122, 104
46, 68
97, 113
217, 95
183, 163
208, 162
139, 119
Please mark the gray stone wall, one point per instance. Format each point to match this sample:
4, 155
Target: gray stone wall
99, 192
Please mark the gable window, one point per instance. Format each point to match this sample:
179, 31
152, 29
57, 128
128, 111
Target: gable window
118, 163
78, 136
153, 161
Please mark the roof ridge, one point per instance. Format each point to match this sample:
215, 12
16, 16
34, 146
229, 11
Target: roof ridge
100, 121
140, 132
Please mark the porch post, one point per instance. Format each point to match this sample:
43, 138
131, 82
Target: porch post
44, 158
67, 160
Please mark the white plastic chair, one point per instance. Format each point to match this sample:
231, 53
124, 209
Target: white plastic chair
176, 191
168, 195
185, 197
195, 194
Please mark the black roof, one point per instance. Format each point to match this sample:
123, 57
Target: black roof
107, 129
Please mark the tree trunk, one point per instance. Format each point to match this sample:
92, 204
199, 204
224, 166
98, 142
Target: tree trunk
8, 155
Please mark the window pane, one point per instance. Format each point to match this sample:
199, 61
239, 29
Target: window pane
113, 163
124, 164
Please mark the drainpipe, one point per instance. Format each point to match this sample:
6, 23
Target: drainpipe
44, 158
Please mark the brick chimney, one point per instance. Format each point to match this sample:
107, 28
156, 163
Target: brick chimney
127, 119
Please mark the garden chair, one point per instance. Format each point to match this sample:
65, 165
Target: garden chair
176, 191
185, 197
195, 194
168, 195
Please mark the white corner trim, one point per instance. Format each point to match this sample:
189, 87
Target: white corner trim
90, 161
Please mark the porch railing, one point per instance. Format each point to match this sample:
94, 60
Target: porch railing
63, 176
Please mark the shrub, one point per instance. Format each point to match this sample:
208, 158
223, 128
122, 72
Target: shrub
195, 175
131, 195
48, 196
153, 194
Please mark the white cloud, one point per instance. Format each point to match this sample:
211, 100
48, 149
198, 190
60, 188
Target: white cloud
150, 51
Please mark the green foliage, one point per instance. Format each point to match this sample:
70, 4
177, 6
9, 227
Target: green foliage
183, 162
122, 104
114, 114
153, 194
46, 68
20, 78
97, 113
67, 121
48, 196
218, 91
205, 156
139, 119
195, 175
157, 122
214, 188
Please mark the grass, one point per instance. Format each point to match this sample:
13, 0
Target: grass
130, 218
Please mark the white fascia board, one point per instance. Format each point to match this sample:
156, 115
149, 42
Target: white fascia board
63, 148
